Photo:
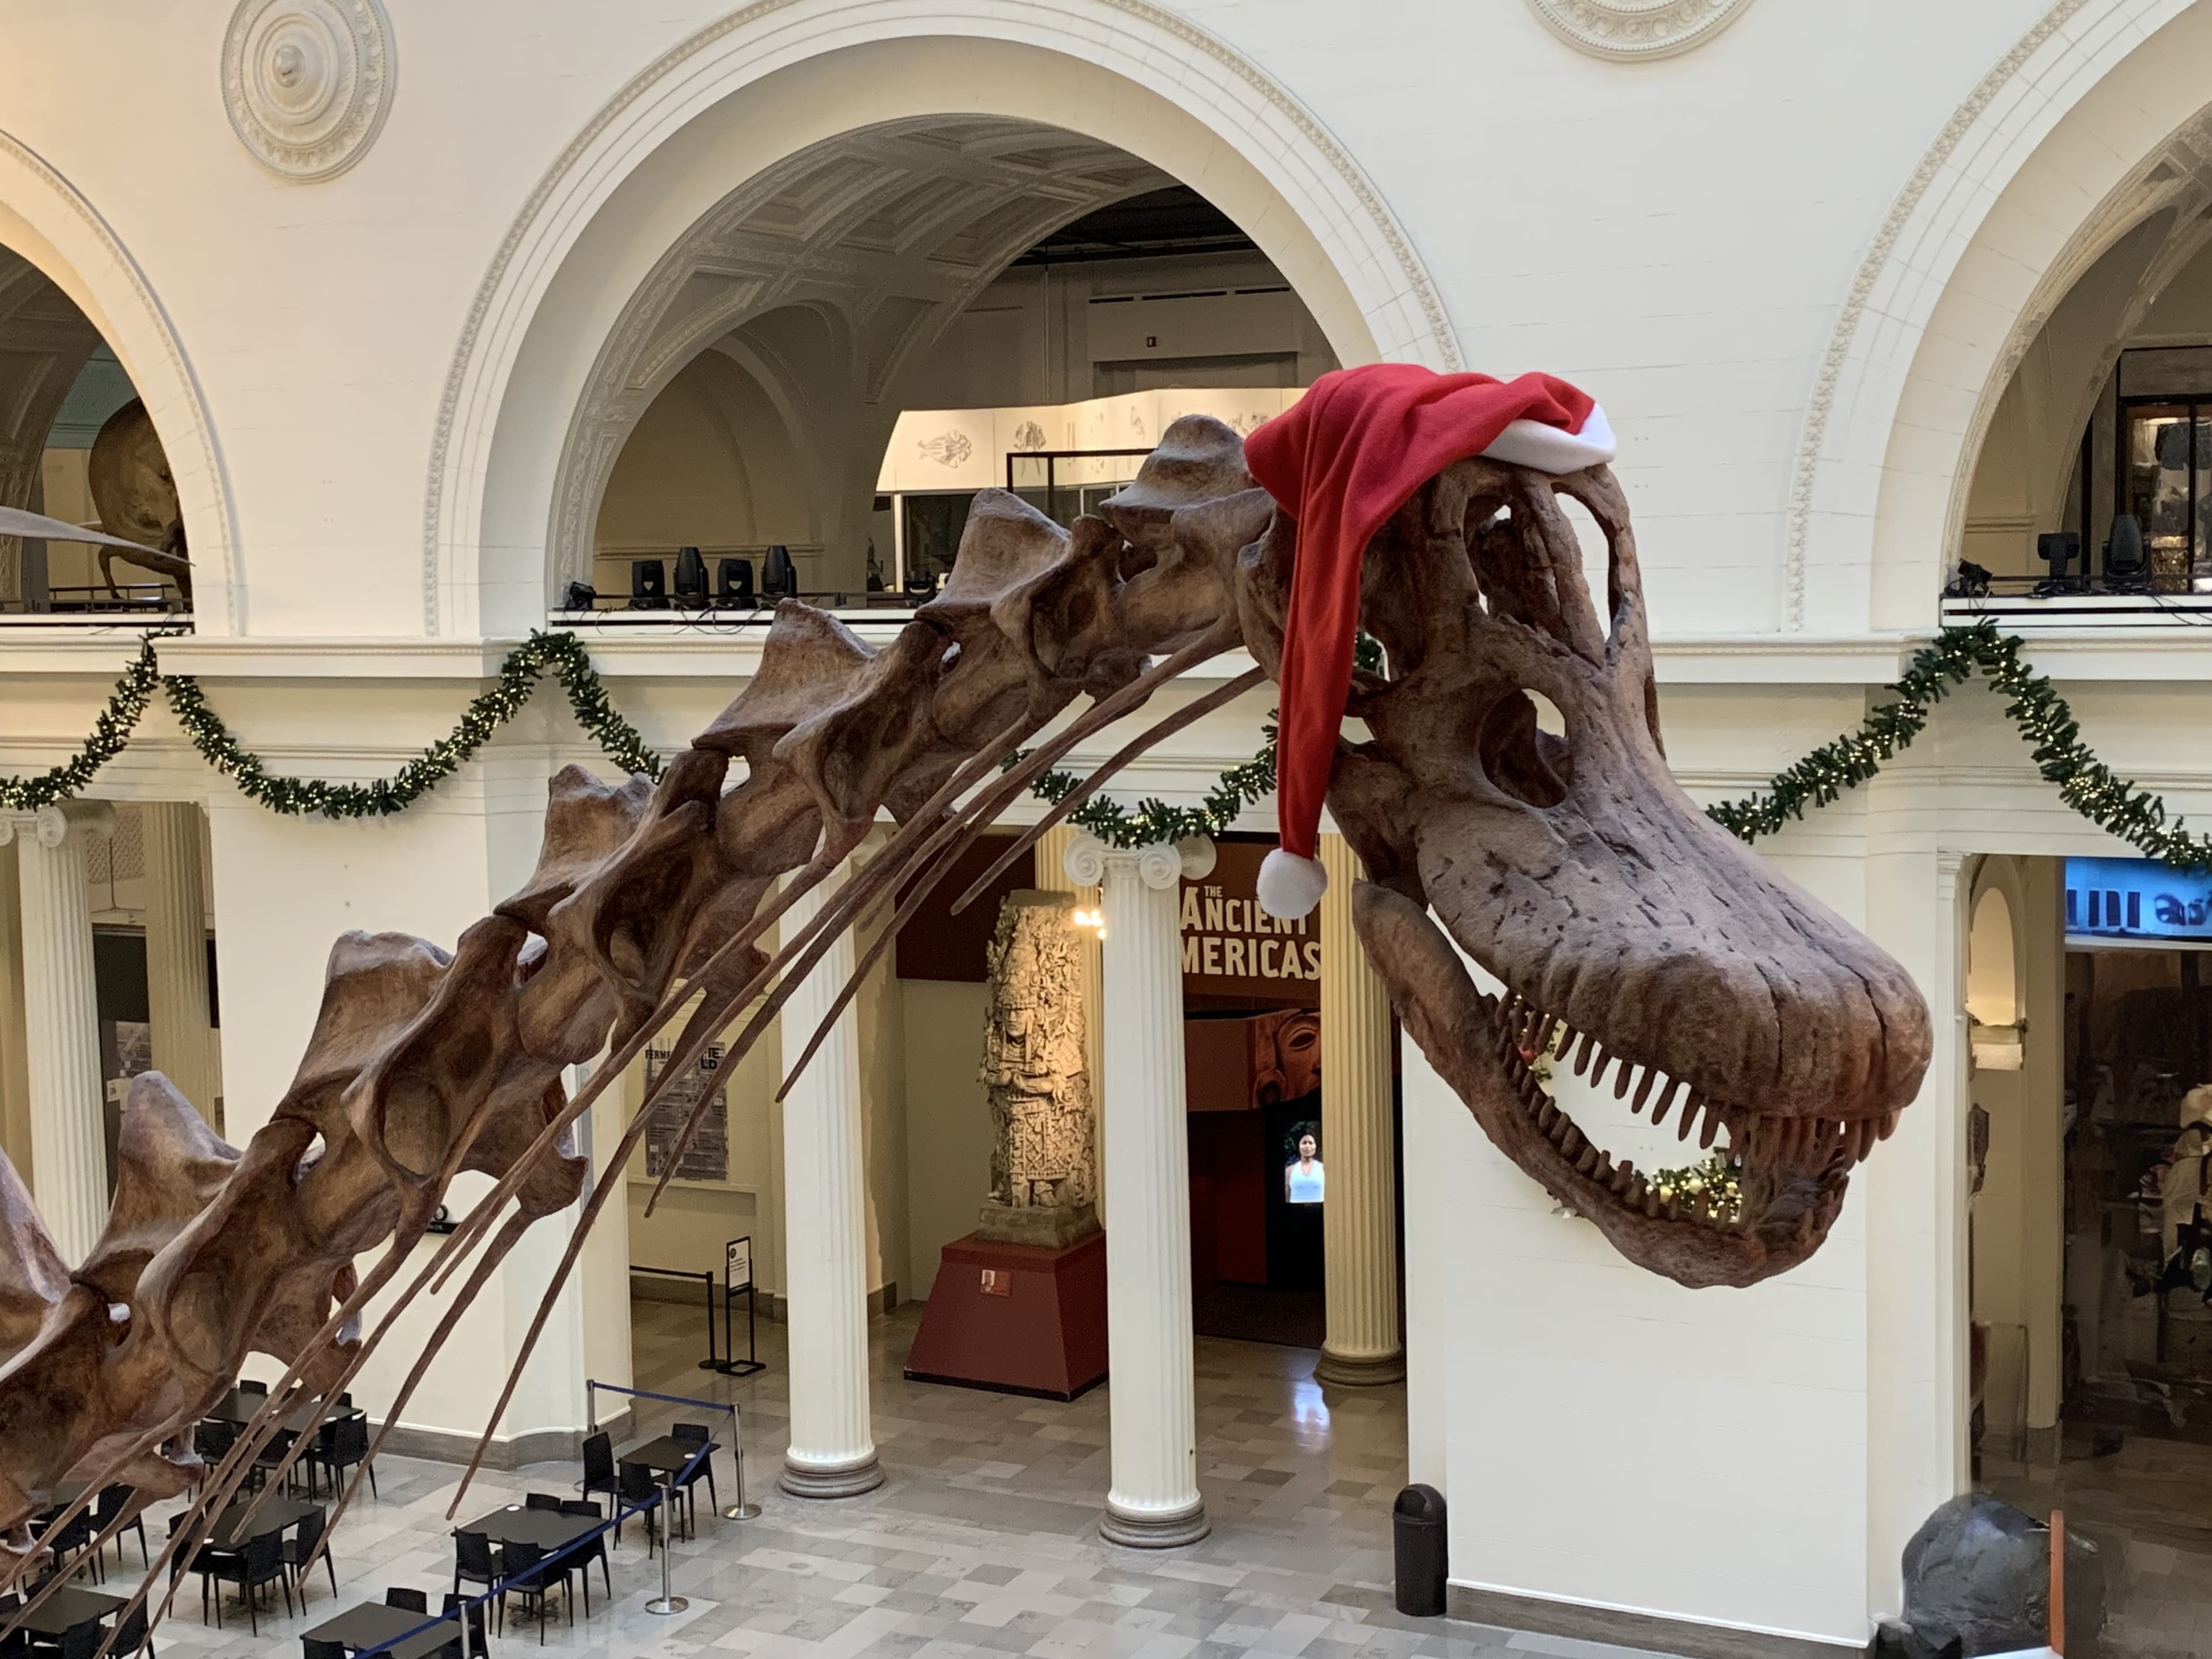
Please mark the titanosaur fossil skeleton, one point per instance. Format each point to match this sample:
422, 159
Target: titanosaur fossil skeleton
1630, 933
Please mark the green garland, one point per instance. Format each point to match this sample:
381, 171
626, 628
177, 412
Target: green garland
1155, 822
518, 674
109, 733
2046, 725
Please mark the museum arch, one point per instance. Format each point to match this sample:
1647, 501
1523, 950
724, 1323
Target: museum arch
613, 279
66, 279
2069, 143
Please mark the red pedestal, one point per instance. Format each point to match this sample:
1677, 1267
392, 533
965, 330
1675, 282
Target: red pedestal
1015, 1318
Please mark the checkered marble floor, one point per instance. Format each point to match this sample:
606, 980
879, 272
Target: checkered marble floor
984, 1540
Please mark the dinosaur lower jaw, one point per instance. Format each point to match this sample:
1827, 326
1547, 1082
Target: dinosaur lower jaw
1792, 1171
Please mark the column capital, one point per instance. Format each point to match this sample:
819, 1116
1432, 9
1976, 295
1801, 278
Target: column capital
50, 825
1157, 864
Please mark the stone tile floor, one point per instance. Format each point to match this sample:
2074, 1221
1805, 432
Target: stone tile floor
2148, 1507
981, 1542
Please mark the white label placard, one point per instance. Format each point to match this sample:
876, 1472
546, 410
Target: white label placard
738, 1264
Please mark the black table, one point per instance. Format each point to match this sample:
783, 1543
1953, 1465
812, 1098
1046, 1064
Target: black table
67, 1608
238, 1408
666, 1456
548, 1529
277, 1514
373, 1622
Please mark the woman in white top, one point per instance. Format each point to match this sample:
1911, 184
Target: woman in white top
1302, 1181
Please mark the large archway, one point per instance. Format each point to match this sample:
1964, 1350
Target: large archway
2068, 144
75, 289
599, 257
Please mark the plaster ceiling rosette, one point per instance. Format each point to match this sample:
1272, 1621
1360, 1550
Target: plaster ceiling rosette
306, 83
1635, 31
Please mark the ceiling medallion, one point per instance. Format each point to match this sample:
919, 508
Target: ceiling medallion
1634, 31
306, 83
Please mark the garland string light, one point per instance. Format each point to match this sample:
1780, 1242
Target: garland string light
2044, 721
519, 673
2046, 725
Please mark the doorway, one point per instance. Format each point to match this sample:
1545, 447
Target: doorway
2091, 1260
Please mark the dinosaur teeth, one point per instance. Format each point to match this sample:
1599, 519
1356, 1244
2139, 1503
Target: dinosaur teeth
1666, 1101
1711, 1127
1583, 1054
1588, 1161
1643, 1089
1620, 1082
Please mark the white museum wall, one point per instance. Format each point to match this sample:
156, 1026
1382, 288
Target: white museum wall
286, 887
1539, 1360
1741, 251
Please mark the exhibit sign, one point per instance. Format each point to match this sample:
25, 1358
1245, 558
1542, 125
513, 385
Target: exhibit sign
738, 1265
2136, 902
1232, 948
708, 1156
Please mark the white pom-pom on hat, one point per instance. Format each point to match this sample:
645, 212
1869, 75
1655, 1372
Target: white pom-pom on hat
1289, 886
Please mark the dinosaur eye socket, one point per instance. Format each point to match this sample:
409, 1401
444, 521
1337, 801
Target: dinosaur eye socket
1519, 755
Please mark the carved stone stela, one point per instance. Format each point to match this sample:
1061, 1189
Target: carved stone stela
1043, 1167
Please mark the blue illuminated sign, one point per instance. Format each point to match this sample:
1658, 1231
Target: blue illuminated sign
2136, 899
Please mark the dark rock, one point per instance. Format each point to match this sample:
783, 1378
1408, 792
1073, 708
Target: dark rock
1977, 1581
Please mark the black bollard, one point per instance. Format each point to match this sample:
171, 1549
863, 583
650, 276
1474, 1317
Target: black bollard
1417, 1529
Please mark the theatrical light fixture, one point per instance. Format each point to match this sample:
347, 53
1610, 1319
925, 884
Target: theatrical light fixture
649, 585
690, 579
778, 576
2059, 548
734, 582
581, 596
2127, 561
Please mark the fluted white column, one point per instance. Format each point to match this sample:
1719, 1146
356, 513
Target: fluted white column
1360, 1220
833, 1450
15, 1072
61, 1015
1152, 1411
176, 954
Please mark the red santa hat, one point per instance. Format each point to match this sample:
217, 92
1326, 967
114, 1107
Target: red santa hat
1341, 461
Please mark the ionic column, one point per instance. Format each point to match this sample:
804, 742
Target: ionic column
176, 954
1152, 1412
14, 1074
833, 1450
61, 1017
1359, 1219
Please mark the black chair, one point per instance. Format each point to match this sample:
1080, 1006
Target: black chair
638, 1491
475, 1561
528, 1577
247, 1386
212, 1439
476, 1648
592, 1549
690, 1435
130, 1636
261, 1562
407, 1601
343, 1443
542, 1500
300, 1550
71, 1538
106, 1512
600, 1465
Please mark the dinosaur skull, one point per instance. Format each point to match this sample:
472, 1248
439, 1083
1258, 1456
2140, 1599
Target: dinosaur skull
1637, 941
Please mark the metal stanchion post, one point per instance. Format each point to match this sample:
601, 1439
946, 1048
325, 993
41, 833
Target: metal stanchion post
668, 1600
740, 1511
